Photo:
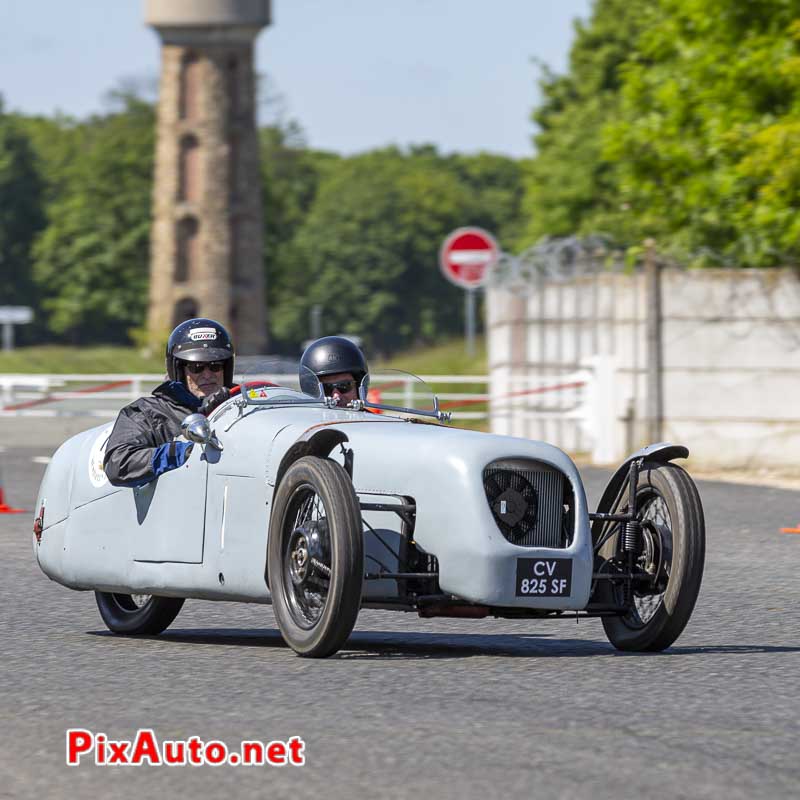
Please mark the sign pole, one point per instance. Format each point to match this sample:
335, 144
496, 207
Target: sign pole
316, 321
466, 257
469, 321
11, 316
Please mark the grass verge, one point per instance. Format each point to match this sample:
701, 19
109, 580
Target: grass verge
61, 360
448, 358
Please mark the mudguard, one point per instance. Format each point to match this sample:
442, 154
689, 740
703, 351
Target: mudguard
661, 452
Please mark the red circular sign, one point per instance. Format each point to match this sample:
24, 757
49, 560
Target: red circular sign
467, 255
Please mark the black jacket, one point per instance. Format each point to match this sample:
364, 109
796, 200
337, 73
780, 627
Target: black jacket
141, 446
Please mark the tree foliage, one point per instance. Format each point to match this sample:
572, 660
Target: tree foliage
358, 236
367, 252
708, 141
290, 176
91, 262
683, 121
571, 186
21, 215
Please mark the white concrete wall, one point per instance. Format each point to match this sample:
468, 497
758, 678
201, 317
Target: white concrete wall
731, 343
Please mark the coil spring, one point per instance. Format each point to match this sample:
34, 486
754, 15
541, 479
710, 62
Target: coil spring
632, 541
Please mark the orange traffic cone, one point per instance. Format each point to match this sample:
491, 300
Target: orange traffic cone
374, 396
791, 530
6, 509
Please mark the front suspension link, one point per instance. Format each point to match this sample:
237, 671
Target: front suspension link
323, 568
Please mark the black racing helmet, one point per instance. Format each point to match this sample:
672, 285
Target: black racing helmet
199, 340
330, 355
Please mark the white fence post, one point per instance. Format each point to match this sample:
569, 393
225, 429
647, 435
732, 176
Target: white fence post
408, 391
601, 412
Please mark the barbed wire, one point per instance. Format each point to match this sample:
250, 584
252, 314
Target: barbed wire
557, 259
564, 259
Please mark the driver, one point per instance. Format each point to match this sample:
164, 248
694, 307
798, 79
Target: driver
142, 446
339, 365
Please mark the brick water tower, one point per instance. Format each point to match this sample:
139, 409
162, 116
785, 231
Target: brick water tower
207, 239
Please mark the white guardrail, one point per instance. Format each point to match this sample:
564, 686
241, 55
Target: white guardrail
102, 395
105, 394
97, 395
586, 398
508, 400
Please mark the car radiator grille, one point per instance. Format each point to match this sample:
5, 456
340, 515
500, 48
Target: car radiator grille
529, 505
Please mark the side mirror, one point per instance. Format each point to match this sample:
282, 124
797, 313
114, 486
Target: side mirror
196, 428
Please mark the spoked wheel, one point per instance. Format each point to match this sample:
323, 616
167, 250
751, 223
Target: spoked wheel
137, 613
673, 529
315, 557
656, 558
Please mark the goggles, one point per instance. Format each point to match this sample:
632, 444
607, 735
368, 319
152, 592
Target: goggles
343, 387
197, 367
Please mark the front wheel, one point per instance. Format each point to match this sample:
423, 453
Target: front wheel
673, 526
315, 557
137, 613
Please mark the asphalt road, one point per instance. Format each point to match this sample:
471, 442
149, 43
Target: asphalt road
411, 707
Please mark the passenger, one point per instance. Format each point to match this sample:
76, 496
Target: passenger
142, 445
339, 365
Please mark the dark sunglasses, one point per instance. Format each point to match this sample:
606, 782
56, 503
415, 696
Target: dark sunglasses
214, 366
343, 387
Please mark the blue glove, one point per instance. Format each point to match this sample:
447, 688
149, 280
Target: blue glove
170, 456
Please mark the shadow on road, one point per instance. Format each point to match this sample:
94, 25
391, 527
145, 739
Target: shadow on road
383, 645
735, 649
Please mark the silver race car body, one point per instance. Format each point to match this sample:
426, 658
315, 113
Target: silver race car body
455, 522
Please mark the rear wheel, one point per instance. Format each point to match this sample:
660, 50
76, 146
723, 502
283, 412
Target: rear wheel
137, 613
315, 556
673, 530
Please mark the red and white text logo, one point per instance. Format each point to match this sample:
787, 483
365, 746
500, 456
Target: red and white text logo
145, 748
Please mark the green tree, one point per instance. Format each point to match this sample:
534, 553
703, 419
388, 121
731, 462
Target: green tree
367, 252
290, 176
359, 236
21, 213
91, 262
571, 185
677, 119
498, 188
707, 145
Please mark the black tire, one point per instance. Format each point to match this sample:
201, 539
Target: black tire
315, 557
137, 614
668, 504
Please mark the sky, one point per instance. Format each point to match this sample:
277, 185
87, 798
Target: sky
355, 74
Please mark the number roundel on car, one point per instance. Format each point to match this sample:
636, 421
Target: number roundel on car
97, 473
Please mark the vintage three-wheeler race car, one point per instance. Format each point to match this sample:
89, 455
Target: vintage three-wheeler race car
322, 511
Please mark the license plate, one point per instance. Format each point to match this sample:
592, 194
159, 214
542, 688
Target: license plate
544, 577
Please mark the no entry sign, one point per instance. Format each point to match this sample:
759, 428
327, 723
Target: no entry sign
467, 255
